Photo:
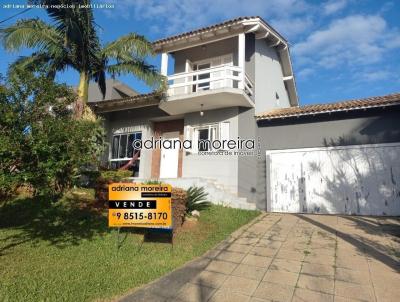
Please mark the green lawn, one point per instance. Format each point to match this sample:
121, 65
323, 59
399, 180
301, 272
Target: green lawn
55, 252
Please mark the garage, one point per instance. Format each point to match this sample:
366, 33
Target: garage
338, 158
359, 179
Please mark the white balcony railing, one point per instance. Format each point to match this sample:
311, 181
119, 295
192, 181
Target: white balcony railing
223, 76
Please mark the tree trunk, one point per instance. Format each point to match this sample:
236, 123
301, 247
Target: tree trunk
81, 102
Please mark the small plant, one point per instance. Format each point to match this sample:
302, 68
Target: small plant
152, 182
196, 200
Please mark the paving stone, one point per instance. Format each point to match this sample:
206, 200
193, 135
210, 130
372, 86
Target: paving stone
354, 291
247, 240
318, 284
194, 293
281, 277
253, 299
342, 299
231, 256
263, 251
388, 294
302, 295
290, 255
269, 244
358, 263
211, 279
274, 291
261, 261
352, 276
240, 285
267, 262
221, 267
318, 270
239, 248
286, 265
249, 271
320, 259
228, 296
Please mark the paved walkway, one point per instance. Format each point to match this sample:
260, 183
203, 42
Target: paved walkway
284, 257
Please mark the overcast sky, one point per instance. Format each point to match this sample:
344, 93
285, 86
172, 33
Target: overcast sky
340, 49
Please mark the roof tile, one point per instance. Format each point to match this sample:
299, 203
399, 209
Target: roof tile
378, 101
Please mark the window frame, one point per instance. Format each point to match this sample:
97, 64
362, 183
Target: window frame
208, 127
125, 159
127, 134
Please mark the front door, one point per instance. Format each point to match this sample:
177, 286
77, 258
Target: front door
169, 157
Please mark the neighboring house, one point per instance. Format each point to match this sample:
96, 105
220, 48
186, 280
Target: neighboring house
225, 81
114, 90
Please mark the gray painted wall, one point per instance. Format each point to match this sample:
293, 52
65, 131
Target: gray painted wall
250, 55
268, 79
224, 169
342, 129
247, 165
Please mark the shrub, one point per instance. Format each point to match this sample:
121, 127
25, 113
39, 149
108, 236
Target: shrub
115, 175
196, 199
40, 142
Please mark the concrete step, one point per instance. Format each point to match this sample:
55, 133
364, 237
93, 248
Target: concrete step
217, 192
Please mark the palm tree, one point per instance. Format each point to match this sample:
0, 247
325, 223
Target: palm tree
72, 42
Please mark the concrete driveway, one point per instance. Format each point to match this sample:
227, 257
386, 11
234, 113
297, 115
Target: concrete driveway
285, 257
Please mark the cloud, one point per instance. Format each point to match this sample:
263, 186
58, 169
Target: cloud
353, 40
182, 15
373, 76
293, 27
333, 6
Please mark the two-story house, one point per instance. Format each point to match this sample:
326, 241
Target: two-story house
235, 80
219, 78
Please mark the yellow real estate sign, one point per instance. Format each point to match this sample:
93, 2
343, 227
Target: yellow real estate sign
139, 205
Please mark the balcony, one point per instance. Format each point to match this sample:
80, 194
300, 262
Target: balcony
208, 88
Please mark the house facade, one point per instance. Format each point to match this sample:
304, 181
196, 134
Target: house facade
224, 82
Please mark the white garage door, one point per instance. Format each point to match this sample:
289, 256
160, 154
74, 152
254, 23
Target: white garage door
362, 180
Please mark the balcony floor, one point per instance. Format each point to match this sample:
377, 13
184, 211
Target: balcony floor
211, 99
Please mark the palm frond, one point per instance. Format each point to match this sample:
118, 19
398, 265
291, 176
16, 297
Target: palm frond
31, 33
30, 63
139, 68
77, 26
38, 62
127, 47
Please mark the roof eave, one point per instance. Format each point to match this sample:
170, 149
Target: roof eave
217, 32
284, 116
139, 101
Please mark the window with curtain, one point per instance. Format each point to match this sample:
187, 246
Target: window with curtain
122, 151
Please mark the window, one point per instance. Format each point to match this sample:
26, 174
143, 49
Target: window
204, 138
122, 151
206, 135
